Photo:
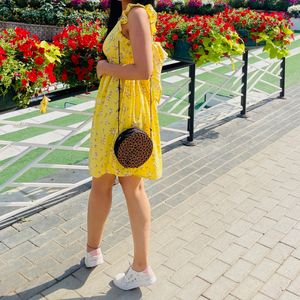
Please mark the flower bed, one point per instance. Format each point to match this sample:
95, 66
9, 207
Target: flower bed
26, 64
269, 5
270, 28
81, 48
207, 39
191, 7
52, 12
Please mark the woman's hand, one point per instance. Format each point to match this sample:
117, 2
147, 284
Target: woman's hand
101, 68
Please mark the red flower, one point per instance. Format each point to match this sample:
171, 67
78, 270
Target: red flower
75, 59
39, 60
24, 82
32, 75
169, 45
72, 44
195, 46
174, 37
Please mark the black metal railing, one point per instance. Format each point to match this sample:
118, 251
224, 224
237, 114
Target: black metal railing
56, 95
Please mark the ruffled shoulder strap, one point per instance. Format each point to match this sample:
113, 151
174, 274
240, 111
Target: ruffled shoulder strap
150, 11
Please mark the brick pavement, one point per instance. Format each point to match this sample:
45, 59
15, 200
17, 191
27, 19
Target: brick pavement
226, 223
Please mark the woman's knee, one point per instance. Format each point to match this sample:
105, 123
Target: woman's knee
103, 184
132, 184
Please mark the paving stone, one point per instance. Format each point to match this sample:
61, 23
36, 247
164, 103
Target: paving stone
173, 246
264, 225
284, 225
205, 257
191, 231
7, 232
198, 243
249, 238
18, 251
19, 237
232, 254
255, 215
239, 228
160, 210
62, 288
165, 236
220, 288
214, 270
271, 238
163, 290
290, 268
49, 222
239, 270
289, 296
294, 287
292, 238
264, 270
42, 239
44, 251
160, 223
3, 248
276, 213
280, 253
185, 274
232, 216
193, 289
296, 252
248, 288
10, 283
275, 286
223, 241
35, 286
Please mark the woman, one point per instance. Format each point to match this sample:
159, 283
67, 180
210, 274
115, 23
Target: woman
130, 42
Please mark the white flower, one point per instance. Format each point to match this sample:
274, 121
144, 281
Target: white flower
206, 2
294, 8
178, 1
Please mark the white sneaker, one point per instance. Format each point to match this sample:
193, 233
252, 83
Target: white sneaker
93, 258
132, 279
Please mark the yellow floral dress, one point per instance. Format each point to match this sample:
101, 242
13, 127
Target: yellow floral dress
134, 106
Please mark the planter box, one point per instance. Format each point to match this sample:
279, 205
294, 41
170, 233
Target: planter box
44, 32
249, 42
181, 51
6, 101
296, 22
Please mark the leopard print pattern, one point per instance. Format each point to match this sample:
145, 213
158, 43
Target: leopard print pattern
135, 150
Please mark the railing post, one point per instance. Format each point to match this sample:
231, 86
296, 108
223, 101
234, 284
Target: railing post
282, 79
244, 82
190, 124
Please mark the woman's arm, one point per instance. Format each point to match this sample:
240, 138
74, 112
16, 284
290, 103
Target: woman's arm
141, 41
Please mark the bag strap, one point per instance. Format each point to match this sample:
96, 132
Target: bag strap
119, 92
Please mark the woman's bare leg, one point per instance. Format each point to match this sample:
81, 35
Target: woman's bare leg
99, 205
139, 212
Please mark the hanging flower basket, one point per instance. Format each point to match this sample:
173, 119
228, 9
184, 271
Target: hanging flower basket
248, 40
6, 101
44, 32
182, 51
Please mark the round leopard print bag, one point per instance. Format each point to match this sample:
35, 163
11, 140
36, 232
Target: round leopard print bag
133, 147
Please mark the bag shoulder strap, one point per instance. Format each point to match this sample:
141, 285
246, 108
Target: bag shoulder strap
119, 93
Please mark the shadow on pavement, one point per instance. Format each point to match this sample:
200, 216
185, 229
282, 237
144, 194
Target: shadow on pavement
52, 286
